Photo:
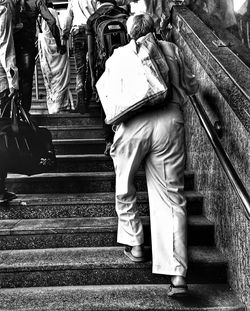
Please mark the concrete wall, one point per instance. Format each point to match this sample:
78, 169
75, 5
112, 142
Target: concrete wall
231, 100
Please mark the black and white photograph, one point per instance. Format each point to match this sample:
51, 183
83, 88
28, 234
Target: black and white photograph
124, 155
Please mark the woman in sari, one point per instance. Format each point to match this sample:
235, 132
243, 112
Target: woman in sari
55, 68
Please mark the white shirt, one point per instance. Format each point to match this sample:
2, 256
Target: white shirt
78, 12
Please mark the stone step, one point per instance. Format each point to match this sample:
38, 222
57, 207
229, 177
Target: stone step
68, 119
84, 232
76, 131
79, 146
84, 163
99, 266
141, 297
41, 104
76, 182
53, 205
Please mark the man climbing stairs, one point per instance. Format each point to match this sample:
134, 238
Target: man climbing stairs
58, 247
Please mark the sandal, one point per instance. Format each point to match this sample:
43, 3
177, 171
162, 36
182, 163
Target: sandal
176, 291
129, 254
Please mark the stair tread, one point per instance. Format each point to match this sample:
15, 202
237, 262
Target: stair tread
148, 297
73, 225
72, 127
58, 198
74, 141
72, 175
91, 257
66, 114
84, 156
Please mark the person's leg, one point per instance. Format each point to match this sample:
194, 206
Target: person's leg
26, 65
129, 147
5, 110
5, 103
5, 196
80, 53
165, 181
108, 134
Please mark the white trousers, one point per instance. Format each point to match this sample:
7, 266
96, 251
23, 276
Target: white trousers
158, 138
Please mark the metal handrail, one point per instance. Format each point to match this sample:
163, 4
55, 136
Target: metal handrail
222, 155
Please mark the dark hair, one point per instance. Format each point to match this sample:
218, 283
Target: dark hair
108, 1
142, 24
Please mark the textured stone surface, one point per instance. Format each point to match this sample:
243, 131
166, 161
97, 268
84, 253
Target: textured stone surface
212, 297
230, 75
67, 120
80, 205
84, 232
84, 163
226, 80
79, 146
76, 132
105, 265
85, 182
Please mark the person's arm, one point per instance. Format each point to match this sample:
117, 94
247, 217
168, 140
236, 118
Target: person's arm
66, 28
7, 52
51, 21
91, 54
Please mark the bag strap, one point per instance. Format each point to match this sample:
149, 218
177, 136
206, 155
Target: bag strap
14, 115
17, 113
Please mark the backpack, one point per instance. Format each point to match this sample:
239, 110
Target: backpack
110, 33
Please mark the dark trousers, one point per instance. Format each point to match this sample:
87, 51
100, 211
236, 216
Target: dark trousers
5, 110
25, 59
83, 83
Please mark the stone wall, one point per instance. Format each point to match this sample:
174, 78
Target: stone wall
230, 96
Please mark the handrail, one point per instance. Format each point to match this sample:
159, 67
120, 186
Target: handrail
222, 155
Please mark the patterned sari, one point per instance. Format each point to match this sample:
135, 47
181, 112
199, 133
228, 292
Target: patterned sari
56, 70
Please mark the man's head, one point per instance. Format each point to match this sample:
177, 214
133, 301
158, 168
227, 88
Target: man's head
139, 25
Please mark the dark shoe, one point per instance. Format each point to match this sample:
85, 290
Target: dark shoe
83, 108
107, 148
128, 253
7, 196
82, 103
176, 291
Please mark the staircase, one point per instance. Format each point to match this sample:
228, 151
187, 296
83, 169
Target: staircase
58, 238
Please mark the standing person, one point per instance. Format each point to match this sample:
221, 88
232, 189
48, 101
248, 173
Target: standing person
55, 68
8, 78
159, 10
156, 136
25, 45
96, 64
78, 12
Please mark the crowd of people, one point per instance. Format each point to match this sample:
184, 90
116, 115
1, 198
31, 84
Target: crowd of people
156, 136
